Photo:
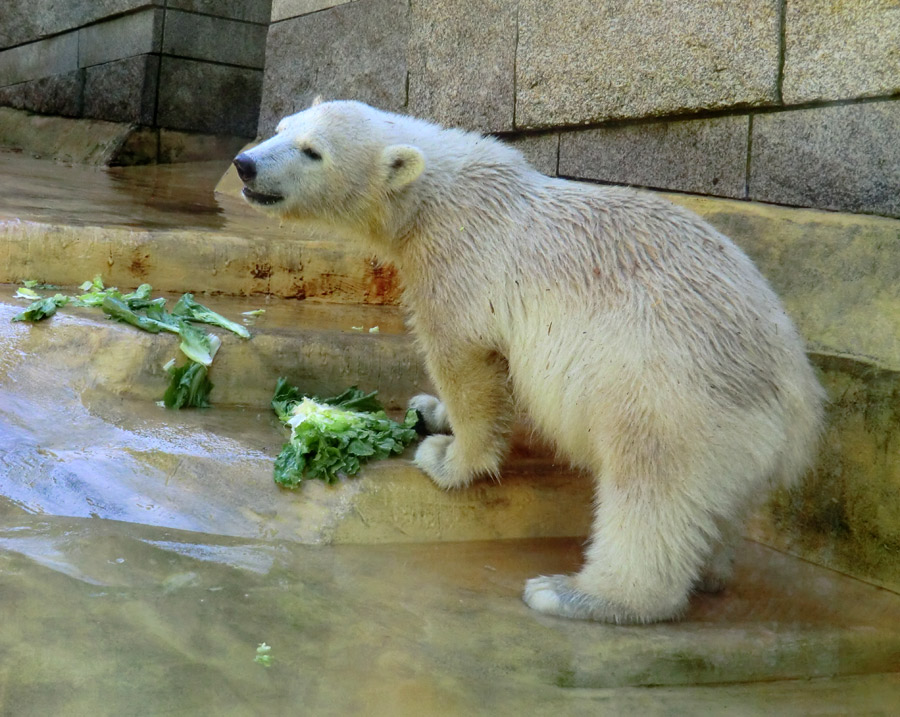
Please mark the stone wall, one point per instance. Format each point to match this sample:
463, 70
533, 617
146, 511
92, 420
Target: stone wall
793, 102
177, 65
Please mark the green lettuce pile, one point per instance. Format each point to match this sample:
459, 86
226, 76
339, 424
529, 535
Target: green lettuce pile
334, 436
189, 385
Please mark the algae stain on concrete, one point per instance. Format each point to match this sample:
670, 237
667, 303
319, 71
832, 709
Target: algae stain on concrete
846, 514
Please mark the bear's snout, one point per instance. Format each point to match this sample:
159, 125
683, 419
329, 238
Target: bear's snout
246, 167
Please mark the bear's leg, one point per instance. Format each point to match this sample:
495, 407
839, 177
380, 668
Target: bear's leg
651, 539
477, 407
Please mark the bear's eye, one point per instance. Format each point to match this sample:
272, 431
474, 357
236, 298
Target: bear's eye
311, 153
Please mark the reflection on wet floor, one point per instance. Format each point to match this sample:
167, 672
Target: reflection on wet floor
158, 195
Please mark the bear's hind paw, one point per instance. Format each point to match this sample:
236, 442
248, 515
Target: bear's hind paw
556, 595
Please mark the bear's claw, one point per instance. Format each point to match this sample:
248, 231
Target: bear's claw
432, 412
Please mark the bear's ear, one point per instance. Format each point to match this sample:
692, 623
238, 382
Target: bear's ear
317, 100
403, 164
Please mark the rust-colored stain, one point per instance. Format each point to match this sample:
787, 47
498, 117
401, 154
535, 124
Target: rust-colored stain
261, 271
139, 264
383, 286
324, 286
298, 291
378, 285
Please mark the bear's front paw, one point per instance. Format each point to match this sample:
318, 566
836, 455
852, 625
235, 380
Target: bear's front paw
433, 413
435, 456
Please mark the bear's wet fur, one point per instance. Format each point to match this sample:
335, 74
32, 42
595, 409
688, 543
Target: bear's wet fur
635, 336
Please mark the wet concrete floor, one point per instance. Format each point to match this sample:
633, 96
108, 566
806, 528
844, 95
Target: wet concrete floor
117, 618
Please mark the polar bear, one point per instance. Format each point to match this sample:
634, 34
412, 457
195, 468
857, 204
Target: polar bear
634, 335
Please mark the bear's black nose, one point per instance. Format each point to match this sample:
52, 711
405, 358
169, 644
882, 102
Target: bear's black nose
246, 167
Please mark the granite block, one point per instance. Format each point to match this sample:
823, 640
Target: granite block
258, 11
202, 97
284, 9
136, 34
581, 61
215, 39
704, 156
53, 56
842, 157
841, 50
28, 20
122, 91
541, 150
462, 59
54, 95
352, 51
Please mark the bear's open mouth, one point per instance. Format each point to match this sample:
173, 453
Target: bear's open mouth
260, 198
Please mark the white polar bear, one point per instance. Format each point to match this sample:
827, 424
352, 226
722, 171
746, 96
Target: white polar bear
634, 335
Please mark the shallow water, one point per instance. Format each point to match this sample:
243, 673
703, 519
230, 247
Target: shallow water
163, 196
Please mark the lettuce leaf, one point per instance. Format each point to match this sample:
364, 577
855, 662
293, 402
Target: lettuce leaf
189, 386
188, 309
42, 308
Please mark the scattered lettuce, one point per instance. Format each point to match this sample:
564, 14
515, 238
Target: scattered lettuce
35, 284
189, 385
198, 345
27, 293
117, 309
334, 436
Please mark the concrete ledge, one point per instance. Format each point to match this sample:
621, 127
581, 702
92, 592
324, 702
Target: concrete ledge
838, 274
66, 140
196, 261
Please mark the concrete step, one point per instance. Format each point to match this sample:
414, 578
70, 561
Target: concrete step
163, 226
94, 384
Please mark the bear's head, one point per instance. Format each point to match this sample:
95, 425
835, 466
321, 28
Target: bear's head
337, 162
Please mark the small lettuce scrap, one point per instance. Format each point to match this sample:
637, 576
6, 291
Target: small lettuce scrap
334, 436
